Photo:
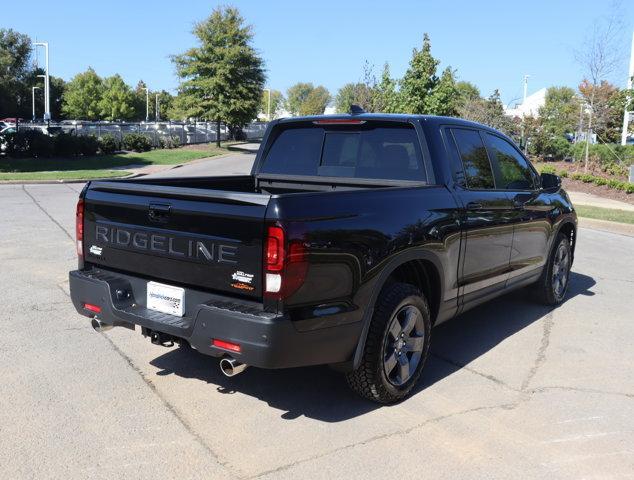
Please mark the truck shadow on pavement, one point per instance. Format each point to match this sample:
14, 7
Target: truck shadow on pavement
322, 394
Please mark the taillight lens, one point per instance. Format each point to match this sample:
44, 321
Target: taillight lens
79, 227
285, 264
275, 249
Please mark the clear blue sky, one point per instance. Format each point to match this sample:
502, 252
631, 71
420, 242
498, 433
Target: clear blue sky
490, 43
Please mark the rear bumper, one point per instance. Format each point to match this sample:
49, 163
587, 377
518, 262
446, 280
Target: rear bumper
267, 340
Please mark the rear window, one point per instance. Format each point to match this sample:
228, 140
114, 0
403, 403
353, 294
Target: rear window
385, 152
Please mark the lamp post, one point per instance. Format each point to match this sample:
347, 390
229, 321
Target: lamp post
47, 87
156, 108
33, 99
147, 104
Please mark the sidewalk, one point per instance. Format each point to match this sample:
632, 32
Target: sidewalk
580, 198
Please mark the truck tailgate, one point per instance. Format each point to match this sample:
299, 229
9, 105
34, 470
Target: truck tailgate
183, 236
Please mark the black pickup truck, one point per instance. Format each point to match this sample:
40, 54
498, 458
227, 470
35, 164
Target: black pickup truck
351, 238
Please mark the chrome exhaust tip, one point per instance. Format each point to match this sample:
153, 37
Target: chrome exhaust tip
99, 326
230, 367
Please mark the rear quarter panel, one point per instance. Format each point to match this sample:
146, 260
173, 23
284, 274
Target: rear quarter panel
354, 238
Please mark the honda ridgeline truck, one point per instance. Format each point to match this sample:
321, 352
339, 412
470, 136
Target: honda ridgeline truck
351, 238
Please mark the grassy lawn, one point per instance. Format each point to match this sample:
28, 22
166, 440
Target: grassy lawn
621, 216
98, 166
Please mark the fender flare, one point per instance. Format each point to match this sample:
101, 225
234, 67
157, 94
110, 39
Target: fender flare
388, 269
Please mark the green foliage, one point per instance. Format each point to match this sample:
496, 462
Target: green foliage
82, 98
555, 148
223, 77
354, 93
605, 155
33, 143
548, 169
277, 103
467, 92
386, 98
422, 91
136, 142
117, 100
108, 144
489, 112
172, 141
611, 183
15, 53
560, 112
306, 99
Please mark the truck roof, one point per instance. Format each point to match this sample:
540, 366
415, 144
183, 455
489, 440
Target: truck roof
387, 117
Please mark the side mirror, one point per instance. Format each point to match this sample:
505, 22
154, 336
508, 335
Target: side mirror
550, 181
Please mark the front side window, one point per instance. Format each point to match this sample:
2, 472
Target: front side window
514, 171
475, 160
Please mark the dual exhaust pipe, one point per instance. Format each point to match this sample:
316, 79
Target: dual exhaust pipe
229, 367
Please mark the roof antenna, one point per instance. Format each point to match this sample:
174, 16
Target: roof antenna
356, 110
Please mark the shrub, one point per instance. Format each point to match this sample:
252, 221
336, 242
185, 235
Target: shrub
548, 169
136, 142
556, 148
65, 144
38, 144
171, 141
563, 173
87, 144
108, 144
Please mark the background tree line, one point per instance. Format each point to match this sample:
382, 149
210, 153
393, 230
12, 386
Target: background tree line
222, 80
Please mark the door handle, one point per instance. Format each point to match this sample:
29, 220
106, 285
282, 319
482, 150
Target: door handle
474, 206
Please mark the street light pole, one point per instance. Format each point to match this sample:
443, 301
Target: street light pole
157, 108
33, 99
47, 86
147, 105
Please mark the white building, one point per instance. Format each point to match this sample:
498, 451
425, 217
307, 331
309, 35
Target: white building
530, 107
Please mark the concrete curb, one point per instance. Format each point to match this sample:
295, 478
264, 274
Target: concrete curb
606, 226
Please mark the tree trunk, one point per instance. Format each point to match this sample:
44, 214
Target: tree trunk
218, 133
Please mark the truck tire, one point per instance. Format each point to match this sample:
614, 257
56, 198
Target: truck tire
396, 346
551, 287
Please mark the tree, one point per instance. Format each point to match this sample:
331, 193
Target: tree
142, 105
306, 99
354, 93
296, 96
489, 112
560, 113
223, 77
466, 92
443, 99
599, 57
277, 103
608, 103
82, 97
15, 54
386, 98
117, 100
421, 89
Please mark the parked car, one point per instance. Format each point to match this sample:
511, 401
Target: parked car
351, 238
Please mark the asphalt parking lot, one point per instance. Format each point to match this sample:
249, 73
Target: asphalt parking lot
511, 390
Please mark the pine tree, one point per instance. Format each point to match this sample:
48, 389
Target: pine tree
419, 80
223, 77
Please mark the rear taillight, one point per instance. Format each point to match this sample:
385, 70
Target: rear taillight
285, 264
79, 227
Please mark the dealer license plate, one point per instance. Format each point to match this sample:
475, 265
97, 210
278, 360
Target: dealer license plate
166, 298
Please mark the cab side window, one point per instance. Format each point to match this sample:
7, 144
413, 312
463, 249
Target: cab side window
477, 168
514, 173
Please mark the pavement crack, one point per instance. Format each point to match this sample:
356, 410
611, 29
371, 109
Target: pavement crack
474, 371
47, 214
381, 437
177, 415
541, 353
581, 390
